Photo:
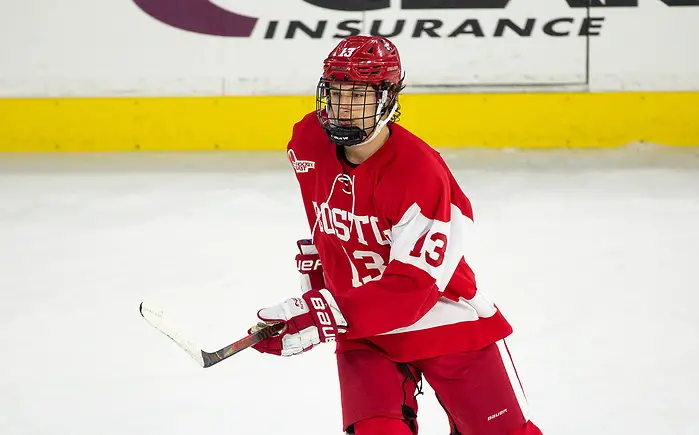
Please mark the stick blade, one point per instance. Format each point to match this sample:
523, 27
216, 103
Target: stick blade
157, 319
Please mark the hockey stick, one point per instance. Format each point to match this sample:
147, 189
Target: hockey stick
205, 359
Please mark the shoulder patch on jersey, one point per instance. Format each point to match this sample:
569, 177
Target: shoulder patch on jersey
300, 166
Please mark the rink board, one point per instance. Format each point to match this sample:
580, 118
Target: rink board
526, 120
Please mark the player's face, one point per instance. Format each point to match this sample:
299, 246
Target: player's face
353, 104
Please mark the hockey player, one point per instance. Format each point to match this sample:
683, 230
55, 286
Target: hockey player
386, 272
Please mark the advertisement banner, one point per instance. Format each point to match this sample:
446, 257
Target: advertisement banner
275, 47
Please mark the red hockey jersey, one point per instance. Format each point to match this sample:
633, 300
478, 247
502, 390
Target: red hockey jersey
393, 236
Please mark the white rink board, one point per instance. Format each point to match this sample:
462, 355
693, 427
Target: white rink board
114, 48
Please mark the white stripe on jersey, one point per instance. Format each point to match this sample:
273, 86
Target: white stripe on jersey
447, 312
432, 258
440, 263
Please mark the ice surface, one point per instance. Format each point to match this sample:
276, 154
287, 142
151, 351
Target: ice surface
592, 255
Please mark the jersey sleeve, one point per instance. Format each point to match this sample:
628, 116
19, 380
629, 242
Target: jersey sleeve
428, 226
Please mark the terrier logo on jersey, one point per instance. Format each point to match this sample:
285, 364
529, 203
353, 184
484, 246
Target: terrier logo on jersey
300, 166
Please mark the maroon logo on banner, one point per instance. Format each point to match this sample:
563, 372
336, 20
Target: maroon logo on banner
200, 16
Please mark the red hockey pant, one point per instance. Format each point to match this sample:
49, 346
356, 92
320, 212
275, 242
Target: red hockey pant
479, 391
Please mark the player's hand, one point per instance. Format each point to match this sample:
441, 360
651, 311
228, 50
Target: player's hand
308, 321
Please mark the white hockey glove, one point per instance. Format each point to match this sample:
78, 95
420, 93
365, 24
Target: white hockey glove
310, 320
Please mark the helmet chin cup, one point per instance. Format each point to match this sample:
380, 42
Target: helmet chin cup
346, 135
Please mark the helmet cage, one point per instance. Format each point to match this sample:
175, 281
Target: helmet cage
353, 113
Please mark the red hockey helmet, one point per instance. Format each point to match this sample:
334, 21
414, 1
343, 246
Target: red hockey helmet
369, 59
357, 92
